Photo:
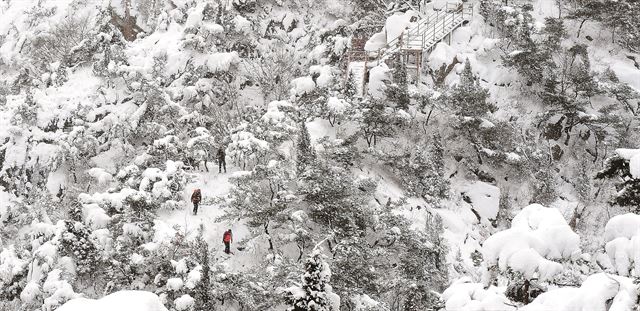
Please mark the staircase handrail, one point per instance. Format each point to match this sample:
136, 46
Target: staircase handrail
416, 28
453, 19
431, 24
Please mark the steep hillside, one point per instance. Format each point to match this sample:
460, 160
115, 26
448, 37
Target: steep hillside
335, 169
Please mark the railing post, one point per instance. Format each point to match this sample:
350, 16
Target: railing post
364, 74
434, 32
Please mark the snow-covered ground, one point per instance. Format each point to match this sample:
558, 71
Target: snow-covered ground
95, 142
213, 185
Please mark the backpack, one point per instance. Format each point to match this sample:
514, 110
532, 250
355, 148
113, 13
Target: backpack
196, 196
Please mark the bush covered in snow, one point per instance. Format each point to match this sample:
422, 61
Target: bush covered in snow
539, 237
111, 113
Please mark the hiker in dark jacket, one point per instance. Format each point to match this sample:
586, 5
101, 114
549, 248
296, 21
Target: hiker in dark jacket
196, 197
222, 163
227, 238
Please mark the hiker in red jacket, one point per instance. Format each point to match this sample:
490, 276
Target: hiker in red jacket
227, 238
196, 197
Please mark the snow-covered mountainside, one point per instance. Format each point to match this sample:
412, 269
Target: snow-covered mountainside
360, 155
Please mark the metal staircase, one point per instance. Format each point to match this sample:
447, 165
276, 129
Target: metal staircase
414, 43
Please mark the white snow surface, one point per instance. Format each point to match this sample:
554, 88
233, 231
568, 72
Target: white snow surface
593, 295
622, 237
302, 85
121, 301
377, 81
396, 24
393, 28
625, 225
538, 235
442, 54
465, 295
633, 156
485, 198
184, 302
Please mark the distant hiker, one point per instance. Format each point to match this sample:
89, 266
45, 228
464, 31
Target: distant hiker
196, 197
227, 238
222, 163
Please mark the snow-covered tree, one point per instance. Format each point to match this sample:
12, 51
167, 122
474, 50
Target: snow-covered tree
314, 292
336, 199
422, 170
77, 242
378, 120
245, 149
305, 151
624, 166
262, 197
468, 99
398, 92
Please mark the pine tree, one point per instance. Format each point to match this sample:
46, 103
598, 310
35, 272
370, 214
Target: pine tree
468, 98
422, 172
628, 190
544, 185
378, 120
202, 292
398, 91
586, 10
77, 243
553, 33
350, 89
315, 293
262, 198
306, 154
337, 199
421, 297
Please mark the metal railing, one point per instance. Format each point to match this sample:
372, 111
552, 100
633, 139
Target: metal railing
435, 26
429, 30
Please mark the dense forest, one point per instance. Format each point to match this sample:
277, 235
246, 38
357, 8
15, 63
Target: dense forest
319, 155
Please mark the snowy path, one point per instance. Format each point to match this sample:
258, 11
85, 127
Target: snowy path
212, 185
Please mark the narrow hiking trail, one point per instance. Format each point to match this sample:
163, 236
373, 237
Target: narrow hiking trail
213, 185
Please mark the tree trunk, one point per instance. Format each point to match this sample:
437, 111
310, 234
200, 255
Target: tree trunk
429, 115
613, 35
580, 28
266, 231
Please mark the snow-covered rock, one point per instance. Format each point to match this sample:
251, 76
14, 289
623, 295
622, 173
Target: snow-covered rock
599, 292
120, 301
394, 27
442, 54
485, 198
465, 295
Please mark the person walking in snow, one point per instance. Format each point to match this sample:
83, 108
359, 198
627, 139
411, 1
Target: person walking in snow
196, 197
227, 238
222, 163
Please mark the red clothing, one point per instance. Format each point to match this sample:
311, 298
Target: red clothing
226, 238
